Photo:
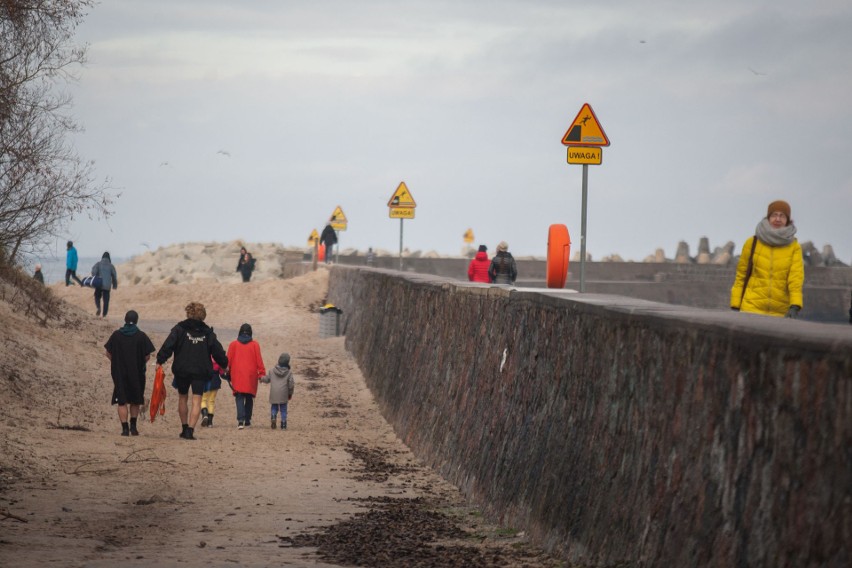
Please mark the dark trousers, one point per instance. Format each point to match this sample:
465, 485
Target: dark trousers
69, 274
245, 406
105, 295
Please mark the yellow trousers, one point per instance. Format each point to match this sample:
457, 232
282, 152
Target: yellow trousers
208, 400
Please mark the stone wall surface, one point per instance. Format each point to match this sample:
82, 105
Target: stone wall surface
617, 430
827, 289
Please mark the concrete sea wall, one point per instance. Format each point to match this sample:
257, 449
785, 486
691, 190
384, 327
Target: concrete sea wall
826, 291
616, 430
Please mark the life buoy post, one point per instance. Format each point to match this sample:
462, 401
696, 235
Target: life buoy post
558, 254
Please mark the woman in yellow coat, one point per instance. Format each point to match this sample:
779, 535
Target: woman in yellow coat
770, 272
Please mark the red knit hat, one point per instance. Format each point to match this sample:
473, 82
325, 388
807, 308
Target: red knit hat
779, 205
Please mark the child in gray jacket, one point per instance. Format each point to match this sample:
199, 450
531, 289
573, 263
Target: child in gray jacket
281, 386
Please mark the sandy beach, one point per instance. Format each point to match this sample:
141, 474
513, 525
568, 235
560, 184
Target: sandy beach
75, 493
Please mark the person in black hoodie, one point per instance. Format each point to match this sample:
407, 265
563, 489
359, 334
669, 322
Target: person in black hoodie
193, 343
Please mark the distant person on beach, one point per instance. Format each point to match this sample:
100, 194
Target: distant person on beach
477, 270
281, 387
195, 347
246, 367
503, 269
128, 350
245, 266
770, 272
38, 275
211, 389
371, 257
329, 238
71, 264
109, 281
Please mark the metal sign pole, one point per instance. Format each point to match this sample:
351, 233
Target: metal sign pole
337, 248
583, 229
400, 242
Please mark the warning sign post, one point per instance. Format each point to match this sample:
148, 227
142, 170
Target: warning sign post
585, 139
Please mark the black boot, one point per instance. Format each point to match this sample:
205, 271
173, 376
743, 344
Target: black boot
189, 432
133, 430
204, 417
209, 420
184, 427
125, 429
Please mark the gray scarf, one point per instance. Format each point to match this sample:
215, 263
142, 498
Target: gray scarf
775, 237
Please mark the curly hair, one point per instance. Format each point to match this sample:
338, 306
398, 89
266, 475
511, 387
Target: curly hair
195, 310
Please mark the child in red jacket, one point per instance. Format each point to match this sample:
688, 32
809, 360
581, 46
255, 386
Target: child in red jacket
245, 364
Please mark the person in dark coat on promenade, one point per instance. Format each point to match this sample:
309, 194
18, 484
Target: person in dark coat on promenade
193, 344
477, 270
128, 349
328, 238
503, 269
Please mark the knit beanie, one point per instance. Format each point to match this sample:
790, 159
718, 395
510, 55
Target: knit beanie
503, 246
483, 248
284, 360
779, 205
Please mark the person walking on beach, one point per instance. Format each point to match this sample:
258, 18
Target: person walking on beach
109, 281
329, 238
246, 367
208, 399
195, 347
128, 350
477, 270
245, 266
38, 275
281, 387
503, 269
71, 264
770, 272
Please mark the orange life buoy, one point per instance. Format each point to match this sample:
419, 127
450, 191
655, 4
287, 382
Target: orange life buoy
558, 253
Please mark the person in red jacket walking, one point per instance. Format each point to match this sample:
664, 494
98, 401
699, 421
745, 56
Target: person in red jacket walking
245, 367
477, 270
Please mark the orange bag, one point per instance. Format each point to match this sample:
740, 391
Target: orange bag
158, 393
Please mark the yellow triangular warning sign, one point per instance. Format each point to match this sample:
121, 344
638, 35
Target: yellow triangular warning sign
313, 237
402, 197
585, 130
339, 216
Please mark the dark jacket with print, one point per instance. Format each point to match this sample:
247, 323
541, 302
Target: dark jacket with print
192, 342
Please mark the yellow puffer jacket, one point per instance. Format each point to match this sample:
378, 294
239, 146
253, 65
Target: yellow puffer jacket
776, 279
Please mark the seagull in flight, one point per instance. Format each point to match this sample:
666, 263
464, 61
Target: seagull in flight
757, 72
163, 164
224, 153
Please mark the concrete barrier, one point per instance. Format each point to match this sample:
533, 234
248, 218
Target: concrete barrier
826, 291
617, 430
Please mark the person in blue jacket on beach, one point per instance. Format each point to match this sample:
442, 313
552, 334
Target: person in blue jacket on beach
71, 264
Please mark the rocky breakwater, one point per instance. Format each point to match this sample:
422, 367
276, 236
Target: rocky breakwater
197, 262
729, 253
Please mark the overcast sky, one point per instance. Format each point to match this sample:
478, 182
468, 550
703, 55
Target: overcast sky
254, 120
